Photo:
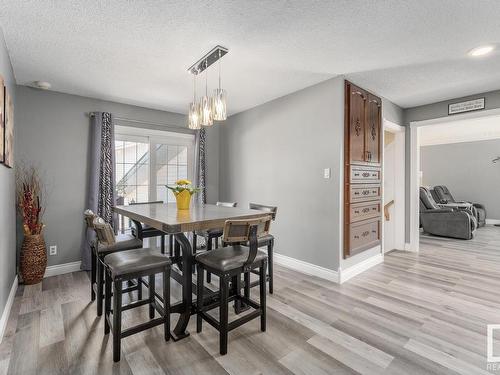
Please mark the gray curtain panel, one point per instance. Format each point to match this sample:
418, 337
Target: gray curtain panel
200, 165
101, 193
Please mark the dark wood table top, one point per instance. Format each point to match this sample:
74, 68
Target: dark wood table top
166, 217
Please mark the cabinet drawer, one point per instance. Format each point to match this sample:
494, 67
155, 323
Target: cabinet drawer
360, 193
364, 235
364, 210
365, 174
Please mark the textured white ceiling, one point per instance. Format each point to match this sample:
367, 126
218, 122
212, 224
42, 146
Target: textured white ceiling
137, 52
466, 130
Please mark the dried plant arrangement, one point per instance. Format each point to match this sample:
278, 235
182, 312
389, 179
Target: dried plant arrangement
30, 199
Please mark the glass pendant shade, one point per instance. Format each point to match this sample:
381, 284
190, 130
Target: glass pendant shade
219, 107
207, 118
194, 116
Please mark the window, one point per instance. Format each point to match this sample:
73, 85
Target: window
147, 160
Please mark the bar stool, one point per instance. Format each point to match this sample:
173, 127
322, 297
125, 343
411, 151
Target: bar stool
228, 263
211, 234
125, 266
106, 243
267, 240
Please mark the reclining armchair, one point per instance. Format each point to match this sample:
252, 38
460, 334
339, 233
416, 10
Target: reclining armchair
443, 196
445, 222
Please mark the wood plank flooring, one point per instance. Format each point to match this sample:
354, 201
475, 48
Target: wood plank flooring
414, 314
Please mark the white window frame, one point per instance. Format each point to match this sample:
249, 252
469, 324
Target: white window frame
153, 138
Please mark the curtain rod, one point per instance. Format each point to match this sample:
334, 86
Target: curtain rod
163, 125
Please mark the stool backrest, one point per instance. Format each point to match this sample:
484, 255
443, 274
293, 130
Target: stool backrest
227, 204
261, 207
247, 230
104, 231
89, 217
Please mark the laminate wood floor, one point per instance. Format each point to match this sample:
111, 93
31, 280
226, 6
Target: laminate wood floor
413, 314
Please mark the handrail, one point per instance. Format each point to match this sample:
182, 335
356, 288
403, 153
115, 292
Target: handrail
386, 210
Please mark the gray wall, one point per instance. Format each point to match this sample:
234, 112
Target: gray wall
275, 154
467, 170
432, 111
53, 134
7, 195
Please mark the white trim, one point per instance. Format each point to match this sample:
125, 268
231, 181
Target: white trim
61, 269
407, 246
307, 268
399, 189
492, 221
360, 267
7, 308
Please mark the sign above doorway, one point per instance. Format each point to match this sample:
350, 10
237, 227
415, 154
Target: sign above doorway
468, 106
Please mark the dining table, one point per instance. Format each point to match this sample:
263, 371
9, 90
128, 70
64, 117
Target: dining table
168, 219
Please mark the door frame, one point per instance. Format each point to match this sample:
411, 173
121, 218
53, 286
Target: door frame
415, 165
399, 189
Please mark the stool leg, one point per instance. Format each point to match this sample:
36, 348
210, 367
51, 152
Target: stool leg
162, 244
117, 319
139, 288
223, 318
100, 282
237, 291
107, 301
262, 284
247, 285
195, 245
171, 244
270, 265
209, 248
151, 296
166, 304
199, 297
92, 274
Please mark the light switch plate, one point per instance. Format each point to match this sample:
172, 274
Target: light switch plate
53, 250
326, 173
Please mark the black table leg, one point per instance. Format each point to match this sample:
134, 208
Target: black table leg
187, 287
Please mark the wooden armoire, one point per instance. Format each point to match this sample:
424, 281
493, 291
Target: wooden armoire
362, 170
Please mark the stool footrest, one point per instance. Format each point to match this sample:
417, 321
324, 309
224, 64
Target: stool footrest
142, 327
134, 304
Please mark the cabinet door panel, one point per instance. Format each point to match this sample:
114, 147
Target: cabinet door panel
373, 128
357, 120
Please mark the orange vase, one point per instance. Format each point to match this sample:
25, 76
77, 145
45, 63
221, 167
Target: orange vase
183, 200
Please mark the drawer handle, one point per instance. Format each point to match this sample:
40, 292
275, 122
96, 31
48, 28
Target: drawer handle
356, 211
357, 237
365, 233
374, 231
365, 210
366, 174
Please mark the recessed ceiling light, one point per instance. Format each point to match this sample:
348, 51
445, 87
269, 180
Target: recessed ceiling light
481, 51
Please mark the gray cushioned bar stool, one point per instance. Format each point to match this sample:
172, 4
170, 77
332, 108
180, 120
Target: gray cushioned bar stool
105, 243
128, 265
211, 235
228, 263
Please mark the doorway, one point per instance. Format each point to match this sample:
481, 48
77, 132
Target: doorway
394, 187
451, 124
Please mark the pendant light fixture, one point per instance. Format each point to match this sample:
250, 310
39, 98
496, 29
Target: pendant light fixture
209, 108
207, 118
194, 110
219, 108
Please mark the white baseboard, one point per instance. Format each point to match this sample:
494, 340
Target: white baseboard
61, 269
7, 308
352, 271
307, 268
492, 221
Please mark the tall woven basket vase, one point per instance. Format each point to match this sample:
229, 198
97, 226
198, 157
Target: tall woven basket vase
33, 259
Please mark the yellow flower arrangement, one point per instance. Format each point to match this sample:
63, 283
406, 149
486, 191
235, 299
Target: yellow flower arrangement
183, 190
